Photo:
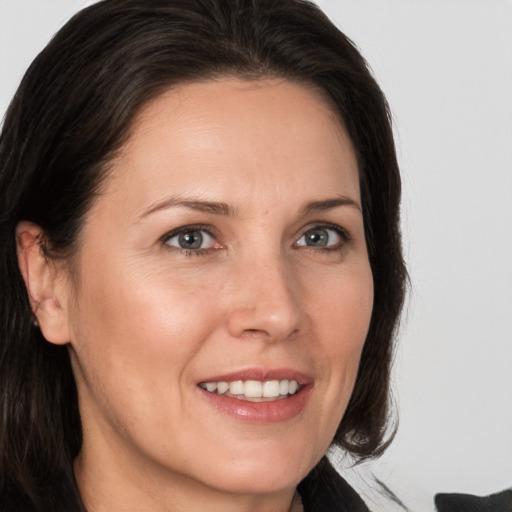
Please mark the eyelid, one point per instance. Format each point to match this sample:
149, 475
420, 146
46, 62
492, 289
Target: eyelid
187, 228
211, 232
340, 231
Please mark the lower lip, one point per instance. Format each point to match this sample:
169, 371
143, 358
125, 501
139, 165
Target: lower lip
260, 412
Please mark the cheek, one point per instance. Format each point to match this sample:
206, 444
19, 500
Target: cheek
155, 310
351, 326
342, 316
135, 334
343, 311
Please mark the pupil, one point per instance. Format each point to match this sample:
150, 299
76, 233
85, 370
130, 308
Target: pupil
191, 240
317, 237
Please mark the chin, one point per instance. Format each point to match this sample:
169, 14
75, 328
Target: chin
274, 472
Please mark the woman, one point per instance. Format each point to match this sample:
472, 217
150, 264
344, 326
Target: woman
202, 265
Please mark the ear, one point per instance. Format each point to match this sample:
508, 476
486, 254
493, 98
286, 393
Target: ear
46, 283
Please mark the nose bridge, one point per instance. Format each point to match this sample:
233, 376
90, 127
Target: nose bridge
268, 299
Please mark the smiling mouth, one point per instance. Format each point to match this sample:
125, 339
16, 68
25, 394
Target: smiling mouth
254, 390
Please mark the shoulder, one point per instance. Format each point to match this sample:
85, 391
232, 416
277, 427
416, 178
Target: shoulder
499, 502
324, 490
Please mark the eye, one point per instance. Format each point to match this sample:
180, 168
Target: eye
190, 239
329, 237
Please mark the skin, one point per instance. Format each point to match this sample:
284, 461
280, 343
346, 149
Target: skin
146, 320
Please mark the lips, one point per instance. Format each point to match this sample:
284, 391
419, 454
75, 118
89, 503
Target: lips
258, 395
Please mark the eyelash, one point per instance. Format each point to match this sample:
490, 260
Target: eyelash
188, 229
341, 232
164, 240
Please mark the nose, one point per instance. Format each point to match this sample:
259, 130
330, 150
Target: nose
267, 302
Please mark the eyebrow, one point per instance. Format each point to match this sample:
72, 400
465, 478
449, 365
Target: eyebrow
329, 204
224, 209
211, 207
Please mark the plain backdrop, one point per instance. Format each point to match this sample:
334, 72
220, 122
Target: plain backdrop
446, 67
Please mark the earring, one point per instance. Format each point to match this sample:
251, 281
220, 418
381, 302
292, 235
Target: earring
35, 322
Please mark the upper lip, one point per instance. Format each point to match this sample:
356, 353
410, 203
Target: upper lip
262, 374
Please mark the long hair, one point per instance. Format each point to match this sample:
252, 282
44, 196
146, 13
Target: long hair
73, 111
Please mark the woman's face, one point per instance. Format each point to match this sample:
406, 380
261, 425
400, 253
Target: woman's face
227, 246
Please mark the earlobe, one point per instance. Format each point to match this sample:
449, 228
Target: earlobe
45, 285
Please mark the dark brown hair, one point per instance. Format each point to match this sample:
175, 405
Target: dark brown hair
71, 113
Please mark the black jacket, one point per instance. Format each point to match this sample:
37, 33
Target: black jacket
324, 490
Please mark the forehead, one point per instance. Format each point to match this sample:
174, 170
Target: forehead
269, 135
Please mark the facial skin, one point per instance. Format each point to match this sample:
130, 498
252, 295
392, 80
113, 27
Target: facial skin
147, 320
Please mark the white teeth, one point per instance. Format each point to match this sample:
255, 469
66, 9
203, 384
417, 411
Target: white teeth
253, 389
222, 387
211, 386
236, 388
271, 388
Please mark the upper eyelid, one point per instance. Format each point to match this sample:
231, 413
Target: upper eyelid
214, 233
165, 239
327, 225
189, 227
